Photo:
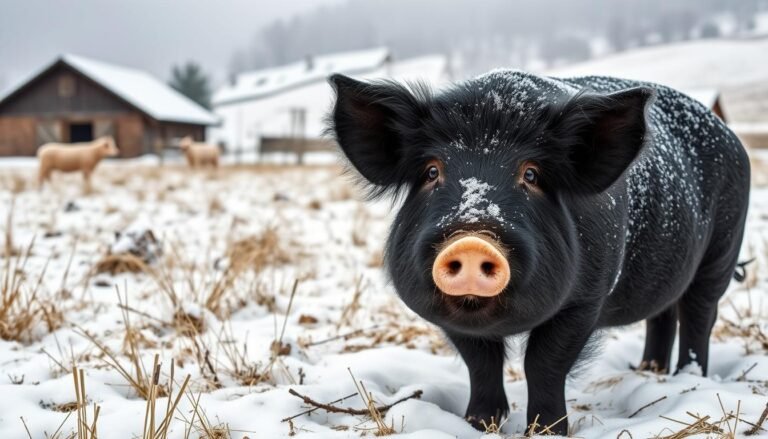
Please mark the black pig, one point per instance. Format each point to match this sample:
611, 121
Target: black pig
555, 207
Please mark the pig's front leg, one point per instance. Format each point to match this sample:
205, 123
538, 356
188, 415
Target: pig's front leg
553, 349
485, 361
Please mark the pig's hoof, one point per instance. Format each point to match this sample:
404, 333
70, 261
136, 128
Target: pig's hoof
651, 366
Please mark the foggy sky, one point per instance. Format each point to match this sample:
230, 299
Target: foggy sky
147, 34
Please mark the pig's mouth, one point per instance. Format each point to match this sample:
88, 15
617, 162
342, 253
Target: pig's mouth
469, 304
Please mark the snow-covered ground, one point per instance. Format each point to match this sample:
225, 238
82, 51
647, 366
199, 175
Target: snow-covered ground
217, 303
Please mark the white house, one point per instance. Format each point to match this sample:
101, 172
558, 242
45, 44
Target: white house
291, 101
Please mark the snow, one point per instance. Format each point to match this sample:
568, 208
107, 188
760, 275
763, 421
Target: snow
334, 241
138, 88
472, 199
261, 83
708, 64
707, 96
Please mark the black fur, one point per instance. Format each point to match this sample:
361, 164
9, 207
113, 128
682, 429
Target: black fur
638, 214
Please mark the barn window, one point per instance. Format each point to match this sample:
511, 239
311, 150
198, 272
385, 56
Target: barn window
66, 86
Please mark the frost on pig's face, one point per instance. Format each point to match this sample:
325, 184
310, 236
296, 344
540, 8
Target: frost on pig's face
496, 157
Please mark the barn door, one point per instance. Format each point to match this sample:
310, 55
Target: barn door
102, 128
48, 131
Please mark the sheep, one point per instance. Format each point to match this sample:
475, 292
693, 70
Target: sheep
74, 157
199, 154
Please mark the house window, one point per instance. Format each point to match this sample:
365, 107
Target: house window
66, 86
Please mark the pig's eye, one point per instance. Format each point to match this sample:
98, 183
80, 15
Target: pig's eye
433, 173
531, 176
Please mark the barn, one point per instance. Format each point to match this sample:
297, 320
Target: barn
76, 99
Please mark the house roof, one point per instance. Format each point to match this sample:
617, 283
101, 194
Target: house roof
261, 83
269, 114
141, 90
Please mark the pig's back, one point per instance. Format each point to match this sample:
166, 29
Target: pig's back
688, 187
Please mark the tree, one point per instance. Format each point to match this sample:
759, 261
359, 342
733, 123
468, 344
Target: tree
710, 30
190, 81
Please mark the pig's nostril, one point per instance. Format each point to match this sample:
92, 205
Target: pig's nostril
454, 267
489, 268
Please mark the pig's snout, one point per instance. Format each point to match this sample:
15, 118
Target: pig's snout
471, 265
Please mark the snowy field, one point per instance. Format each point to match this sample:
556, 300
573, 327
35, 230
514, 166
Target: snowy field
254, 281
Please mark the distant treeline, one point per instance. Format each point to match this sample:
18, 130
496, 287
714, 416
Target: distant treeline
490, 31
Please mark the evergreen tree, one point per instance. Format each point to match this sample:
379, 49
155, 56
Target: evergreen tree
190, 81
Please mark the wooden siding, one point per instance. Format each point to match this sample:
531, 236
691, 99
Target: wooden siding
129, 135
17, 136
43, 97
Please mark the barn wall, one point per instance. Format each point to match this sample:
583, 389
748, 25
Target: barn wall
164, 134
129, 135
17, 136
64, 92
22, 135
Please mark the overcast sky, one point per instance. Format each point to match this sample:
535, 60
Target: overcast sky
149, 34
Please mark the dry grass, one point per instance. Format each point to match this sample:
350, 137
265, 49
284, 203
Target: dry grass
725, 426
258, 251
85, 430
134, 373
154, 428
201, 425
381, 428
120, 263
238, 364
216, 207
22, 310
187, 324
9, 250
361, 227
14, 182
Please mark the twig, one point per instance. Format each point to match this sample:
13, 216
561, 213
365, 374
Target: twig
143, 314
330, 408
647, 405
25, 427
306, 412
759, 425
344, 336
743, 375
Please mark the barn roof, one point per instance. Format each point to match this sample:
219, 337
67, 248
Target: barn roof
143, 91
261, 83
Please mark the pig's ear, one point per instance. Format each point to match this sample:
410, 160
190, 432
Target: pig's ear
606, 133
370, 122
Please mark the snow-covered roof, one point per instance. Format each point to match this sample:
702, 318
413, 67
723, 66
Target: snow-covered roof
707, 96
143, 91
270, 114
432, 69
261, 83
712, 64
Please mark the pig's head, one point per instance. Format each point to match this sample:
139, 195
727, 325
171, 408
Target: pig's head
487, 172
185, 143
107, 146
